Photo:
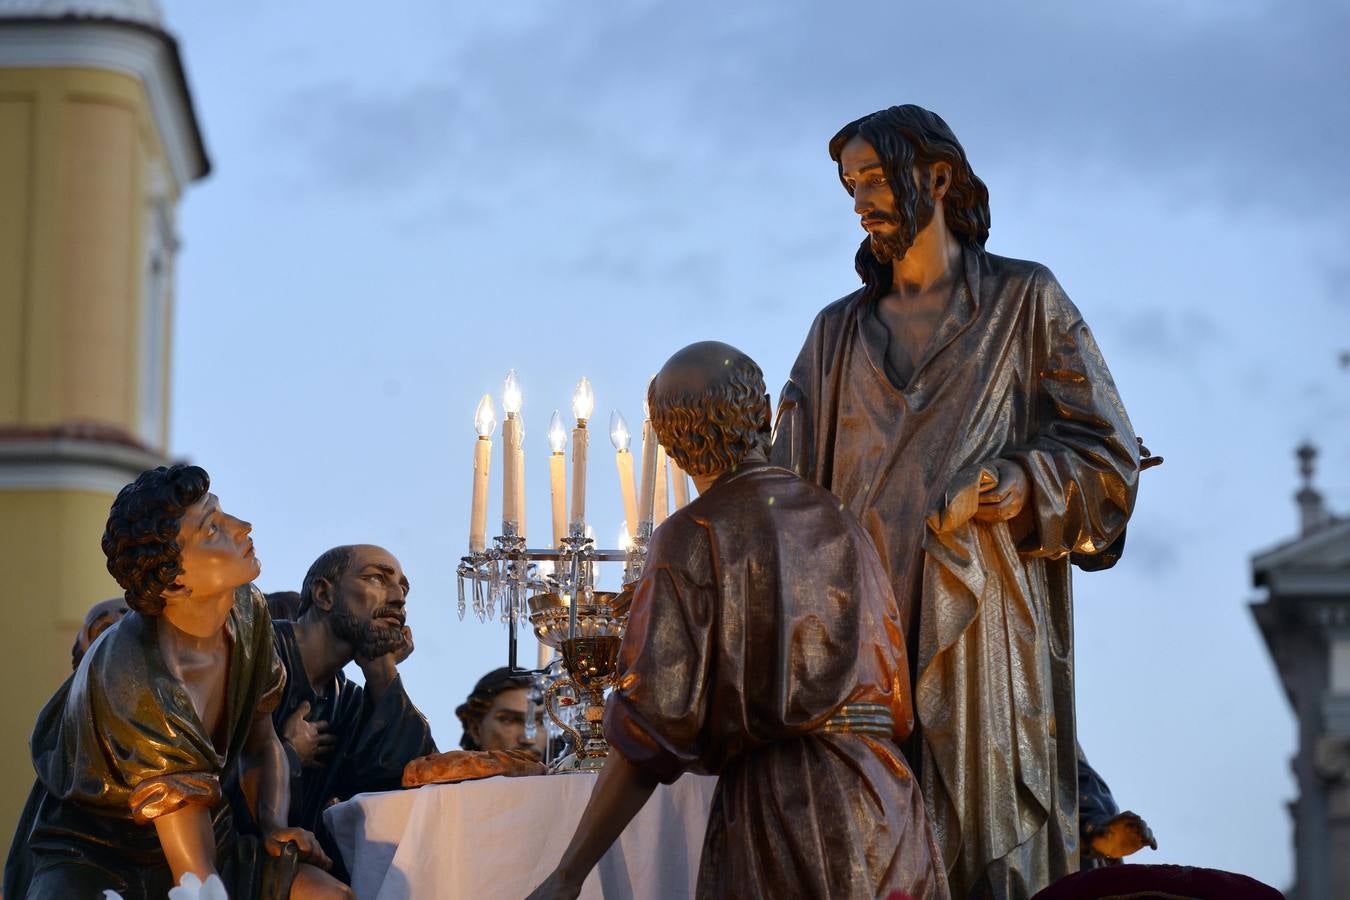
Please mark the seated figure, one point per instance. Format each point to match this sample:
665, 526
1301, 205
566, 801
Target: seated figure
131, 750
101, 616
342, 738
763, 646
494, 714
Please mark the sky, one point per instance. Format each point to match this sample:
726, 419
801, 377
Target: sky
410, 199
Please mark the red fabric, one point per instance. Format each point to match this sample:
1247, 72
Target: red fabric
1137, 882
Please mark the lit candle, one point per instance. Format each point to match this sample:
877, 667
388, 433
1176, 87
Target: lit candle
661, 503
648, 495
620, 437
520, 475
557, 477
583, 404
510, 450
681, 482
485, 421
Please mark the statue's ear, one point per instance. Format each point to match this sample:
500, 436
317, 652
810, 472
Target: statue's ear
323, 594
941, 179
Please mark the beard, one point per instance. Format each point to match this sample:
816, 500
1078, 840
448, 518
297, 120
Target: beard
369, 638
893, 245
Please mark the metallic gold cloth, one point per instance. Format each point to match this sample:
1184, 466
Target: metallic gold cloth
762, 611
119, 744
1012, 373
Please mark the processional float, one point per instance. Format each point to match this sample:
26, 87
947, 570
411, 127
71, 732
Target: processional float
556, 588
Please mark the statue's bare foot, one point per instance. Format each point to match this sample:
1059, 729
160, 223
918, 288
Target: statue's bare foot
1122, 835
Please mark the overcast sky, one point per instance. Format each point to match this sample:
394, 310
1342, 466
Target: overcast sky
410, 199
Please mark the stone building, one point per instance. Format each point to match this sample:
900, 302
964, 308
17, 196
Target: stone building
1305, 620
98, 140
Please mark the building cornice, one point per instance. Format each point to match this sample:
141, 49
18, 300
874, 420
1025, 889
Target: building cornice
61, 460
143, 51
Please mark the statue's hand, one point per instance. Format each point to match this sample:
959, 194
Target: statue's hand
959, 502
406, 650
1003, 495
1122, 835
311, 740
1146, 459
555, 888
308, 844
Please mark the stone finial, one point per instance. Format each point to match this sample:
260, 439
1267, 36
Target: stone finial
1311, 509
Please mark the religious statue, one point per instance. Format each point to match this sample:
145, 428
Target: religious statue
131, 750
957, 404
493, 715
764, 645
341, 738
101, 616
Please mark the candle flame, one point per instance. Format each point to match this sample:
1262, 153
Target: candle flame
557, 435
583, 401
511, 394
485, 419
619, 434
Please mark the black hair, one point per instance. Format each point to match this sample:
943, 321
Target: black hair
330, 566
141, 537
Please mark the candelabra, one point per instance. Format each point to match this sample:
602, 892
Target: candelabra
507, 578
567, 613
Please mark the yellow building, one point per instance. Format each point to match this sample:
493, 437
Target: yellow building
98, 138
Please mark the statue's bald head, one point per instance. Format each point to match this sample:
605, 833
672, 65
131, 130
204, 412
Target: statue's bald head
709, 407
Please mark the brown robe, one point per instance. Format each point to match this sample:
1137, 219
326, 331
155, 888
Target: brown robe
762, 610
1012, 372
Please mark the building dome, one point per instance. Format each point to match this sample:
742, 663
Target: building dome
144, 12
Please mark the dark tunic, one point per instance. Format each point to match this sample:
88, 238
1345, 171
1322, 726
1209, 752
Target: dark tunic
375, 740
761, 611
1012, 372
120, 744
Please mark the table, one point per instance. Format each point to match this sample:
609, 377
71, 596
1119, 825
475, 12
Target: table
500, 837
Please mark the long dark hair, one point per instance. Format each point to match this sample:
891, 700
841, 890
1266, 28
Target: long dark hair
904, 137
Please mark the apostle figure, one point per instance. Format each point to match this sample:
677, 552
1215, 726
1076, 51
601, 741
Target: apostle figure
957, 404
494, 714
342, 738
101, 616
764, 646
131, 751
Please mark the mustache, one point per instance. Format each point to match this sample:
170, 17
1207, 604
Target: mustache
390, 612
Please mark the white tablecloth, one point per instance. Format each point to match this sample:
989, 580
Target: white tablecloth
499, 837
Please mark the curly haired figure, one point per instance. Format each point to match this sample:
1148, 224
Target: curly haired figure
763, 646
131, 750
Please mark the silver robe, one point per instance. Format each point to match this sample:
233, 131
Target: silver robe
1012, 372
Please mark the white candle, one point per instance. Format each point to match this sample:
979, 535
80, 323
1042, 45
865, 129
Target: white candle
557, 478
623, 459
583, 404
510, 449
520, 475
661, 503
485, 422
647, 497
681, 482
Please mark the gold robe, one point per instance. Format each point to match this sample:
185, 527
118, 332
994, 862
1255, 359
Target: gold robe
762, 610
120, 744
1012, 372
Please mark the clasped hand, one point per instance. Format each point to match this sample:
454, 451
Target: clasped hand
305, 842
994, 491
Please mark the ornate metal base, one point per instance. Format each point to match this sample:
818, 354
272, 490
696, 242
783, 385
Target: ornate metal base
571, 764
